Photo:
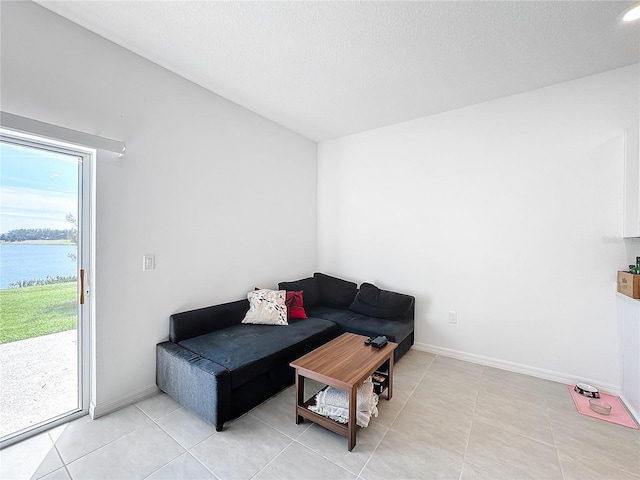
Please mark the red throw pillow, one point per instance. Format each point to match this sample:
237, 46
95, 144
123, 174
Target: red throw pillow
295, 308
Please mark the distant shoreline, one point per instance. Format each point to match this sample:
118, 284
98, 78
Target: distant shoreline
39, 242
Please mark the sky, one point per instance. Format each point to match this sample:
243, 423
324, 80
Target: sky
37, 188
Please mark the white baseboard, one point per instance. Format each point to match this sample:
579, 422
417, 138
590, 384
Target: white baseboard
101, 409
554, 376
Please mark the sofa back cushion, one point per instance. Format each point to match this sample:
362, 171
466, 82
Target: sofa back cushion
395, 330
204, 320
378, 303
335, 292
309, 287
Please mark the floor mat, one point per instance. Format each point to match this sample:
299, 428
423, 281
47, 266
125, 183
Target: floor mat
619, 413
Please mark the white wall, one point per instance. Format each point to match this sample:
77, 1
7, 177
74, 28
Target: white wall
224, 198
629, 320
507, 212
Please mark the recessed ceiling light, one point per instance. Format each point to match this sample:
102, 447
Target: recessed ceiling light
633, 14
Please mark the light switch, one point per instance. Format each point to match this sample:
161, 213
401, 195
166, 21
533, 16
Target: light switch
148, 262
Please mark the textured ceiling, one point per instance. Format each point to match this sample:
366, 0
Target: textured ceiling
328, 69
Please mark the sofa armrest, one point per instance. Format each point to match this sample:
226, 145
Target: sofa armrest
411, 314
195, 382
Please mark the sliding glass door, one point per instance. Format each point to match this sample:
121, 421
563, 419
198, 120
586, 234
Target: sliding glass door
43, 335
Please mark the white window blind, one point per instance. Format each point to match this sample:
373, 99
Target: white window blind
30, 126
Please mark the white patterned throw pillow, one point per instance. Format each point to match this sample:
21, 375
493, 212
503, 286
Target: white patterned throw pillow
267, 307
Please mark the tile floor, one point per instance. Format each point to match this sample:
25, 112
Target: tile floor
448, 419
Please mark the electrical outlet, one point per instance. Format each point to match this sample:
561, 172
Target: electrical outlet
453, 317
148, 262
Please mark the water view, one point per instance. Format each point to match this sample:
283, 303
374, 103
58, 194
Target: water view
39, 314
19, 262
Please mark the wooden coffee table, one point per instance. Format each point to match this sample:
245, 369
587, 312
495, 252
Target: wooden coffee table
343, 363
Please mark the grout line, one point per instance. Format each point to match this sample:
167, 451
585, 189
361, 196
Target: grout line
424, 374
276, 428
200, 442
397, 415
325, 457
186, 450
547, 409
154, 421
374, 451
64, 465
200, 462
205, 467
559, 461
108, 443
94, 450
273, 459
159, 468
431, 363
473, 416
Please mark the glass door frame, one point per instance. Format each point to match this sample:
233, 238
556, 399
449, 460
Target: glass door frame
86, 262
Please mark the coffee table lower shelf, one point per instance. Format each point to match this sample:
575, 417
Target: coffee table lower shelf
326, 422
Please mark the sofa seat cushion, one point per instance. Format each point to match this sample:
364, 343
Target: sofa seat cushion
248, 350
348, 321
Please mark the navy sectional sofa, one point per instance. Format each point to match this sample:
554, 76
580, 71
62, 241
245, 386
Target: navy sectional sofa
220, 368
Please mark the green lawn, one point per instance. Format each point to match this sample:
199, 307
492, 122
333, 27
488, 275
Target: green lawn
33, 311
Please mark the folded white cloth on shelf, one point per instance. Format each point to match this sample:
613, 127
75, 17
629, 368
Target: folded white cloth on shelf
334, 403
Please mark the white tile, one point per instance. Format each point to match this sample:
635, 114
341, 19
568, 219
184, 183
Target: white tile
446, 430
531, 386
575, 467
406, 382
186, 427
405, 458
494, 453
279, 412
85, 435
457, 371
298, 462
522, 414
578, 435
242, 449
416, 358
133, 456
334, 446
447, 395
31, 458
158, 405
409, 366
185, 467
388, 410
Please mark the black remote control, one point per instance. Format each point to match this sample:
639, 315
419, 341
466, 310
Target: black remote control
379, 342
